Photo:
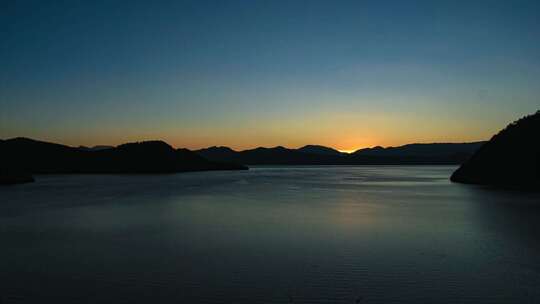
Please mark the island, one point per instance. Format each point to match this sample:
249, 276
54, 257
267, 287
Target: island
38, 157
510, 159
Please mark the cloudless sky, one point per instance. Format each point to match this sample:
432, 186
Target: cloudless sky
347, 74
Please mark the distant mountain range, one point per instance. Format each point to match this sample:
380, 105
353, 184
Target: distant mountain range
22, 156
510, 159
412, 154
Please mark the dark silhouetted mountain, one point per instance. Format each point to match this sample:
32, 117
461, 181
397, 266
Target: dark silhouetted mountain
510, 159
316, 149
369, 151
217, 153
27, 155
268, 156
283, 156
427, 150
318, 155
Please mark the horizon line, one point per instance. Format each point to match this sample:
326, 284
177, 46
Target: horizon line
345, 151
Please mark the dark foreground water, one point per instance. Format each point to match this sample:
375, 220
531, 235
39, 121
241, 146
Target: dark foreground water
268, 235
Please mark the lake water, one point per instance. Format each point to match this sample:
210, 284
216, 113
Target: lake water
380, 234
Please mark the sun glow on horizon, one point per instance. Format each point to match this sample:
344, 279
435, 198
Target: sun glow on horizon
347, 150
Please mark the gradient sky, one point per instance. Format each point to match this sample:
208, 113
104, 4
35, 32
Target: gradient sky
347, 74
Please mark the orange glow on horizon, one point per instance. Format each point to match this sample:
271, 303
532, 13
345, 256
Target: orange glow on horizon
353, 132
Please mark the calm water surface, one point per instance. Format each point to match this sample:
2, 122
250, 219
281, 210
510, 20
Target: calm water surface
269, 235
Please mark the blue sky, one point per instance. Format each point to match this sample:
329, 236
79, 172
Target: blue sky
347, 74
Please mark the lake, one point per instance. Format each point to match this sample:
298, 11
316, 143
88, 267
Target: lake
366, 234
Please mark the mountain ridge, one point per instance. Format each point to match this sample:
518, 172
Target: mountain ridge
418, 153
33, 156
511, 158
